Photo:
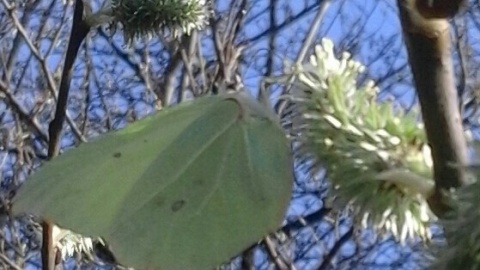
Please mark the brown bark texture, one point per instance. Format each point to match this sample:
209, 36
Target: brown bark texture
427, 39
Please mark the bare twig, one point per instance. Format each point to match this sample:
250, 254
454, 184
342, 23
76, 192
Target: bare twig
273, 254
18, 37
11, 264
327, 259
248, 262
32, 122
280, 106
40, 58
461, 47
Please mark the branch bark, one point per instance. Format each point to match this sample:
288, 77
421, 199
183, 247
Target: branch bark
48, 252
427, 38
79, 31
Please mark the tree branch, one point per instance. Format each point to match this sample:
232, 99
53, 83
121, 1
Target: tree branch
327, 259
428, 46
48, 254
79, 31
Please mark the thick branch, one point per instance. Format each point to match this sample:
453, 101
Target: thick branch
80, 30
440, 9
428, 46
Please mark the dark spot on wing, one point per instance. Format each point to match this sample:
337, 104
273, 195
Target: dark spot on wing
117, 155
178, 205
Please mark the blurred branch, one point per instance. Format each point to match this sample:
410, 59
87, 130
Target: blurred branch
271, 51
38, 56
280, 106
248, 259
11, 264
30, 120
227, 50
281, 26
18, 37
327, 259
461, 48
308, 219
275, 257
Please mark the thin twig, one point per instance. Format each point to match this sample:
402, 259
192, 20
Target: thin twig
43, 64
9, 262
327, 259
273, 254
32, 122
280, 106
248, 256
